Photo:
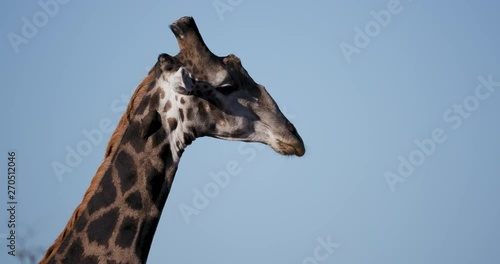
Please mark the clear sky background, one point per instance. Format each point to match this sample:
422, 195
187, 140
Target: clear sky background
358, 114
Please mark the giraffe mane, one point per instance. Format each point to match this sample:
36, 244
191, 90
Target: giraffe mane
114, 141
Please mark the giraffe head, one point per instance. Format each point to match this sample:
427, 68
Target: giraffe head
225, 101
190, 95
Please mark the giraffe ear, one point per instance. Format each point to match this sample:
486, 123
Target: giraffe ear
182, 81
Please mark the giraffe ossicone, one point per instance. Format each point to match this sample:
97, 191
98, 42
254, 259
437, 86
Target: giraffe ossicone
193, 94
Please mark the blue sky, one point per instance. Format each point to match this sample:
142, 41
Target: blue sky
427, 74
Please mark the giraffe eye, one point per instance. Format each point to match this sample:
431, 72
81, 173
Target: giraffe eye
226, 89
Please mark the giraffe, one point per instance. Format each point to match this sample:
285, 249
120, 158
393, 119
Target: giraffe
193, 94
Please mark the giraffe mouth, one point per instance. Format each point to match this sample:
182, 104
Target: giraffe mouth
288, 149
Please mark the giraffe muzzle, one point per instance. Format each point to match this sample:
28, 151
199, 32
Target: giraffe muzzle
295, 148
292, 144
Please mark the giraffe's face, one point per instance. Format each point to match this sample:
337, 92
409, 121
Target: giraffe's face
226, 103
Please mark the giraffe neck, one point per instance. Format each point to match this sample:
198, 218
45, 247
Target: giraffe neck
121, 216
